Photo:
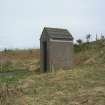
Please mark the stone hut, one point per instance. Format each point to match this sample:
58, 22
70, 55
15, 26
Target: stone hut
56, 49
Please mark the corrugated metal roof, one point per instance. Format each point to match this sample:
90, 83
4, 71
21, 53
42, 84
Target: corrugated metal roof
57, 33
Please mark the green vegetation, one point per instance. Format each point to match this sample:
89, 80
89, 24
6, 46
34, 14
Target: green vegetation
15, 65
13, 71
14, 77
82, 85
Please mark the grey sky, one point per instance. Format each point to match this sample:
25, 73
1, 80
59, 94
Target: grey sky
22, 21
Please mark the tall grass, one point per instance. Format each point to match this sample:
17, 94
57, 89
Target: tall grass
9, 94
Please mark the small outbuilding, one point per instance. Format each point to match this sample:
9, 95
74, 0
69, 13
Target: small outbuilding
56, 49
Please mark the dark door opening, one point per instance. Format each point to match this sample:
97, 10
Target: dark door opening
45, 55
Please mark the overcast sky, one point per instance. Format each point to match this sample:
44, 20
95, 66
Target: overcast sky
22, 21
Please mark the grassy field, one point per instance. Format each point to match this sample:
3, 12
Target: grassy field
82, 85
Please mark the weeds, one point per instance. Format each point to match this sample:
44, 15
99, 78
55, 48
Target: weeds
8, 94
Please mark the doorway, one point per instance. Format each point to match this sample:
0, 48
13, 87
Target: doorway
45, 56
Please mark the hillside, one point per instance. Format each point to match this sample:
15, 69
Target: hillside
90, 53
82, 85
